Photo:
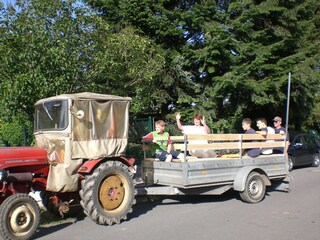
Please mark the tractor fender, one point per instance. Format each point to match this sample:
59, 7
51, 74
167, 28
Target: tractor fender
90, 165
242, 175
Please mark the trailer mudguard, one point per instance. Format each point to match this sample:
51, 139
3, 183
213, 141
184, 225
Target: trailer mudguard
241, 177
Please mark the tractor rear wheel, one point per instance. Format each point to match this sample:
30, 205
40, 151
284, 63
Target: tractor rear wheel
107, 196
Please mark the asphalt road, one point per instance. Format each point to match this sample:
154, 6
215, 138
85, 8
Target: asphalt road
281, 215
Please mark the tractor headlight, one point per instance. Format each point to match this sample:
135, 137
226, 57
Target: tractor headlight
3, 175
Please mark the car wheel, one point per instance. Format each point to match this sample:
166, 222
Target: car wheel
290, 164
316, 160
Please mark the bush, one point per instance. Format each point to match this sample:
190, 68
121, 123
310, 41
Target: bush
135, 150
17, 132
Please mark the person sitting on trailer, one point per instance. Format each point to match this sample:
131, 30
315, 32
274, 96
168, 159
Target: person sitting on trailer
265, 130
162, 147
246, 125
277, 121
199, 127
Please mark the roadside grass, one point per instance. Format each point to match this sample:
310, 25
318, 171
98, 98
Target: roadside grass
48, 219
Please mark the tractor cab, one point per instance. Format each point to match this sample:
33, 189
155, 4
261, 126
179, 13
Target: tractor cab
75, 128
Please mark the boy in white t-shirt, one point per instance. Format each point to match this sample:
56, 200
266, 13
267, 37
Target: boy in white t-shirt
199, 127
265, 130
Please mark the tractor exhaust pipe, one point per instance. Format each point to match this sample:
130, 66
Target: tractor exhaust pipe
19, 177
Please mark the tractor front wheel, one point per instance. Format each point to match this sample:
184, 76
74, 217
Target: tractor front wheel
19, 217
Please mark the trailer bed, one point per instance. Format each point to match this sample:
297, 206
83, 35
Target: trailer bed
237, 171
209, 172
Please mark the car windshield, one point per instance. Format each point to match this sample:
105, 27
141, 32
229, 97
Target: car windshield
51, 115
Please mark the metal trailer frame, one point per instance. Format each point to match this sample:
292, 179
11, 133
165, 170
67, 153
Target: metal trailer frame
211, 177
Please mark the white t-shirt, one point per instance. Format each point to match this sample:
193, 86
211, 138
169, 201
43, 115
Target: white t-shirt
193, 129
269, 130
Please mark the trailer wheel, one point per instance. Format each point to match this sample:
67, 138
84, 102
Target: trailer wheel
19, 217
107, 196
255, 188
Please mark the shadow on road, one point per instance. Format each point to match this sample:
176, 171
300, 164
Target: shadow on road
44, 231
51, 223
144, 205
147, 203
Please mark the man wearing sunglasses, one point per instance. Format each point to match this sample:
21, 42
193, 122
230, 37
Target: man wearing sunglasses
277, 121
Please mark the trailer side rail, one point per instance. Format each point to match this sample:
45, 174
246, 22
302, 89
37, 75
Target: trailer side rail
235, 142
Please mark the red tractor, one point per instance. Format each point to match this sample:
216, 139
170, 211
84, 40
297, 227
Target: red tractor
79, 158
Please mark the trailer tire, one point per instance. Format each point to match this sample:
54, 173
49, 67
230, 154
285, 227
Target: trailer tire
255, 188
107, 196
19, 217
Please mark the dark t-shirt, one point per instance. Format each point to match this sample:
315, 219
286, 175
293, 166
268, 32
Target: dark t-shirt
254, 152
277, 131
250, 131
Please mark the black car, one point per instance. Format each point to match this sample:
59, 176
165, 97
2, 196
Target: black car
304, 149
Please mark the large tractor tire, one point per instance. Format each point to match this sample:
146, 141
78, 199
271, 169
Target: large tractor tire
255, 188
107, 196
19, 217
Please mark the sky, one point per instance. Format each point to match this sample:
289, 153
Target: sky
7, 2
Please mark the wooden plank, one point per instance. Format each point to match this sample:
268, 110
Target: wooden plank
215, 146
234, 145
223, 137
214, 137
223, 141
261, 137
177, 138
232, 137
178, 146
247, 145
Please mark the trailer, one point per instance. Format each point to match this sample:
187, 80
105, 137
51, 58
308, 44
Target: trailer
213, 176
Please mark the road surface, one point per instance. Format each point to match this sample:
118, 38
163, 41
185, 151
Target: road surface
281, 216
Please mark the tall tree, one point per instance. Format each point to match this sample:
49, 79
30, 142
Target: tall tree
305, 109
170, 24
269, 38
45, 47
53, 47
236, 55
127, 64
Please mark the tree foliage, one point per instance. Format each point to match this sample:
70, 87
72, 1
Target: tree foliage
45, 49
227, 59
53, 47
17, 132
237, 54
